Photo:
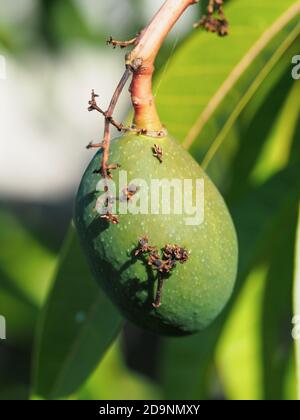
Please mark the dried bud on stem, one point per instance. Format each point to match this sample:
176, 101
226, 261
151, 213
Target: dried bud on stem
210, 23
157, 152
163, 262
122, 44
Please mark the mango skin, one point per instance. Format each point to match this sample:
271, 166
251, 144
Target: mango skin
197, 291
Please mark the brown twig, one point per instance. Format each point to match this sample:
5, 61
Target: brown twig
157, 303
122, 44
105, 168
92, 145
108, 117
93, 106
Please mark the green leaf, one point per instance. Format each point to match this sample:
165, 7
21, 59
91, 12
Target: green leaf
207, 72
20, 317
259, 212
267, 134
296, 319
256, 345
238, 354
185, 363
290, 379
26, 268
112, 380
235, 162
62, 22
256, 217
77, 326
270, 64
277, 343
276, 152
6, 38
14, 393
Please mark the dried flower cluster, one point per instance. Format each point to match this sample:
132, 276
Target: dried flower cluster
163, 262
158, 152
129, 192
213, 24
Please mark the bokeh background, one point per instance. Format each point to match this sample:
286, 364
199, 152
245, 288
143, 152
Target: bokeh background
235, 105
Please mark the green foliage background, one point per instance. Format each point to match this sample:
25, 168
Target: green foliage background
233, 103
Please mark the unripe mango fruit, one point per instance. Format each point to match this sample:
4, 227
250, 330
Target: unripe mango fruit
196, 291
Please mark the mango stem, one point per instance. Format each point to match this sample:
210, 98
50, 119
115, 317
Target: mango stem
141, 62
159, 290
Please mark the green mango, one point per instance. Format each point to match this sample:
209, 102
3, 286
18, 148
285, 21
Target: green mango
195, 292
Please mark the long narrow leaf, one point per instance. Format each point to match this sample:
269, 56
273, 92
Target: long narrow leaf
256, 218
297, 305
77, 326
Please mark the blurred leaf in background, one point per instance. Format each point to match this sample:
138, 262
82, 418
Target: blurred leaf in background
241, 363
76, 327
296, 319
241, 122
233, 103
257, 219
112, 380
61, 22
259, 326
26, 268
